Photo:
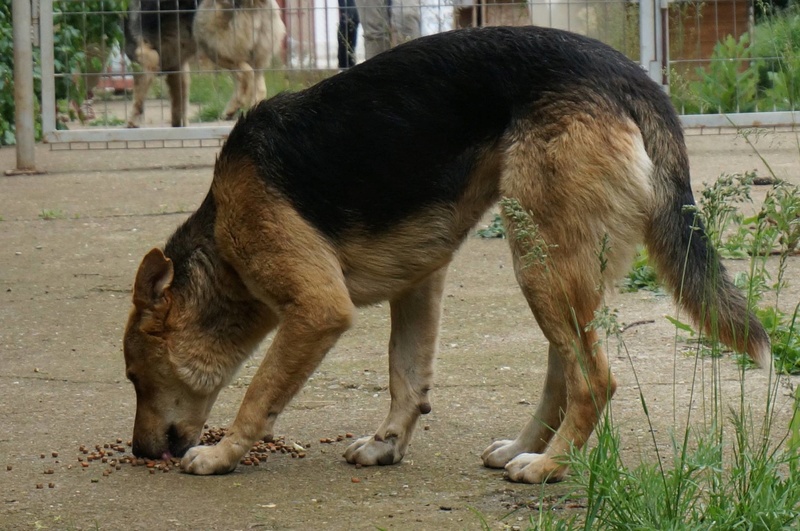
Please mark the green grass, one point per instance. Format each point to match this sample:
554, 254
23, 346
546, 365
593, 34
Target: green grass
211, 91
759, 71
107, 120
642, 275
50, 214
495, 229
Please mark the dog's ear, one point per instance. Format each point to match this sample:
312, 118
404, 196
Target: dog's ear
151, 288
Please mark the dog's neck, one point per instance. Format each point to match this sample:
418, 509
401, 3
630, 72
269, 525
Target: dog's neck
213, 297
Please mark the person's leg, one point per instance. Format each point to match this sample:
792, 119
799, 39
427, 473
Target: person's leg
374, 15
341, 35
406, 19
346, 36
352, 31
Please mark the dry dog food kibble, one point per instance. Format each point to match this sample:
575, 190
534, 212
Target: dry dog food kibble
114, 455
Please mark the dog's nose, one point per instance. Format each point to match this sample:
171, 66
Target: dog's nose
145, 450
149, 447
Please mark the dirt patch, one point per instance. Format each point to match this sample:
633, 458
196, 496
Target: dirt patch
64, 298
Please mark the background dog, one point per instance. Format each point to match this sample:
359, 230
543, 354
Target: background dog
158, 37
162, 36
361, 189
245, 37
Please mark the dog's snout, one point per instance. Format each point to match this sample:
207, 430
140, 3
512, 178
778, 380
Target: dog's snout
151, 444
170, 443
178, 444
146, 450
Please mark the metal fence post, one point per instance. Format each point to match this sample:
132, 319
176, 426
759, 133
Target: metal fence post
651, 50
23, 87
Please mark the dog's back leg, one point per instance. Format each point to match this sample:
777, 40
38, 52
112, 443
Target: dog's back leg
148, 60
178, 83
578, 382
412, 348
582, 187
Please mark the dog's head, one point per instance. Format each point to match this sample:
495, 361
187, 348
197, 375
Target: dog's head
173, 394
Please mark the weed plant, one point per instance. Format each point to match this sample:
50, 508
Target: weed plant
759, 71
642, 275
48, 214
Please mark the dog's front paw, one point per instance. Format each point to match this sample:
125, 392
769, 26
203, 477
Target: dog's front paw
368, 451
207, 460
499, 453
535, 468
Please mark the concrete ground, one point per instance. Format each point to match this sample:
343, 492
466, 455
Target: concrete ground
70, 243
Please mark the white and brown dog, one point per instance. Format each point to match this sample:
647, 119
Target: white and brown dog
163, 36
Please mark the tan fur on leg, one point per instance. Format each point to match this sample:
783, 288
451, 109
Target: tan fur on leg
178, 84
293, 270
412, 348
242, 97
538, 432
148, 60
607, 176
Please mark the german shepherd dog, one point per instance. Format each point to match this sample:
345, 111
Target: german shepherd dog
361, 189
243, 36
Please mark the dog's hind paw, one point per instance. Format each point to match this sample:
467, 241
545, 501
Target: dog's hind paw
368, 451
535, 468
207, 460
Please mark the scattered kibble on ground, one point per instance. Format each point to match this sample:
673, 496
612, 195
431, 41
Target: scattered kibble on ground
114, 455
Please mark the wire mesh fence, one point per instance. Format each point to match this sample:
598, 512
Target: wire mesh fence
122, 72
151, 64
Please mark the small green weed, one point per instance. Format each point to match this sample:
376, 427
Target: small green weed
49, 214
107, 120
642, 275
785, 338
495, 229
719, 207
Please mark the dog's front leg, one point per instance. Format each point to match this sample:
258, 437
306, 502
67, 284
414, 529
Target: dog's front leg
244, 85
303, 338
148, 60
412, 347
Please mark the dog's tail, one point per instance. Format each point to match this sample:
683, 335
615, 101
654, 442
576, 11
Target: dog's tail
685, 259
